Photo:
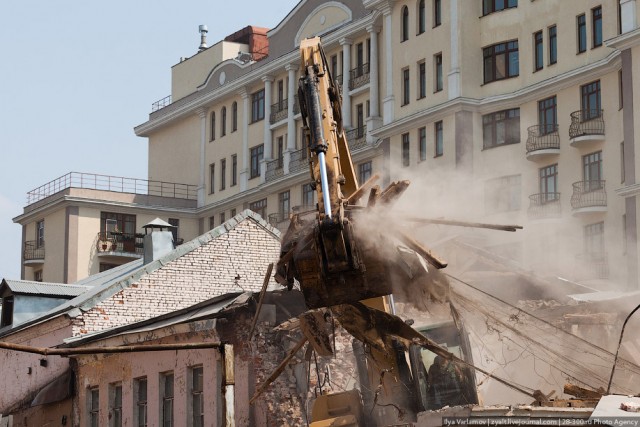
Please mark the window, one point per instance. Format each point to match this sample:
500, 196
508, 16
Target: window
280, 151
234, 169
594, 241
257, 106
553, 45
422, 19
620, 91
281, 94
405, 150
596, 26
501, 128
404, 24
140, 393
622, 177
223, 121
233, 213
590, 100
213, 126
503, 194
364, 171
592, 171
359, 58
212, 178
334, 67
422, 143
259, 207
360, 120
422, 80
501, 61
117, 222
547, 116
549, 183
438, 138
223, 174
490, 6
405, 86
7, 311
538, 60
196, 397
94, 406
437, 12
166, 390
212, 223
234, 116
257, 154
174, 230
40, 234
115, 405
437, 61
37, 276
307, 195
581, 21
222, 218
284, 205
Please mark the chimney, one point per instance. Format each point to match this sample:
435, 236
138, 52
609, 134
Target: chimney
158, 240
203, 37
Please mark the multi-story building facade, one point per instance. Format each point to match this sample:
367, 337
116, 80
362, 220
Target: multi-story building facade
514, 111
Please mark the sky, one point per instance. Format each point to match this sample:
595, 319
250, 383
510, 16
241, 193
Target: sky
76, 76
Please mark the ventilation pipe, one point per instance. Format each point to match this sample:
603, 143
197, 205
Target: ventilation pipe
158, 240
203, 37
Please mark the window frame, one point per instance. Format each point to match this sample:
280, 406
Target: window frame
212, 124
196, 396
365, 171
438, 132
404, 24
257, 106
223, 122
505, 121
256, 157
538, 51
547, 175
492, 53
234, 116
552, 36
406, 86
422, 17
581, 33
93, 406
422, 143
167, 400
437, 13
590, 93
592, 165
40, 234
596, 27
212, 178
422, 79
489, 6
284, 204
115, 405
141, 406
545, 107
406, 150
234, 170
223, 174
438, 83
307, 195
259, 207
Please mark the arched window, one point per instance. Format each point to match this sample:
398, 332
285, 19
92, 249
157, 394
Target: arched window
213, 126
223, 124
421, 17
405, 24
234, 117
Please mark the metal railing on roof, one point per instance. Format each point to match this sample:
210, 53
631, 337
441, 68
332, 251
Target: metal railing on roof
161, 103
113, 183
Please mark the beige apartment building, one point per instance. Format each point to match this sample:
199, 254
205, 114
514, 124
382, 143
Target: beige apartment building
518, 111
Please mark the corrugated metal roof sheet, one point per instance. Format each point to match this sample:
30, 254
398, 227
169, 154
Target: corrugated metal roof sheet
43, 288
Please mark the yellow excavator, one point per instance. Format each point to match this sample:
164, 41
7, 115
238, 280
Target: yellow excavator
348, 260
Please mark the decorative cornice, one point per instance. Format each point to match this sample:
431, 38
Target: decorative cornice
267, 78
345, 41
374, 28
624, 41
202, 112
629, 190
292, 66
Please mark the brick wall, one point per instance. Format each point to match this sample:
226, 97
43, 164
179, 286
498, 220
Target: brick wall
234, 261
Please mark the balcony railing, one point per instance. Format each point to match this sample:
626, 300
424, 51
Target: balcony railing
588, 194
113, 183
586, 122
32, 251
279, 111
357, 137
298, 160
115, 243
544, 205
279, 220
161, 103
359, 76
543, 137
593, 265
275, 169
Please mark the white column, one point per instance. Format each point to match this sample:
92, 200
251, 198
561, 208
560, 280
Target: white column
202, 113
453, 82
244, 170
374, 120
268, 139
389, 100
629, 17
291, 123
346, 67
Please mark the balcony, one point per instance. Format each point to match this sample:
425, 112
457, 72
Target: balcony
586, 126
275, 169
544, 206
279, 111
298, 161
117, 244
357, 137
592, 265
589, 196
33, 253
543, 141
359, 76
279, 220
